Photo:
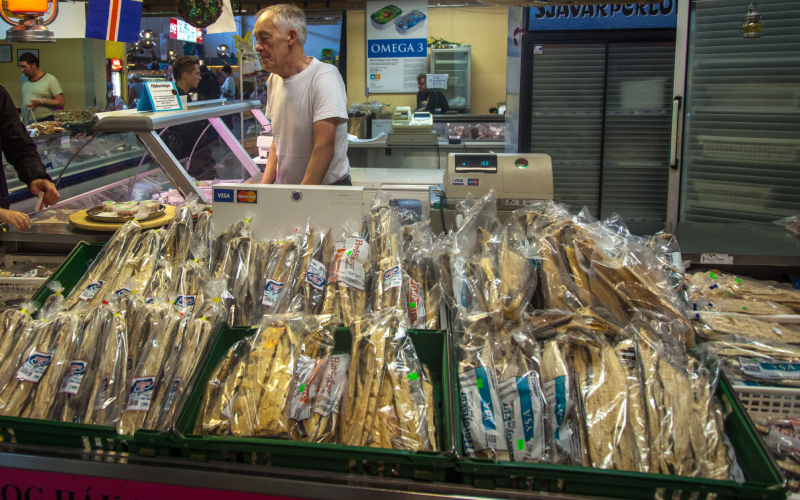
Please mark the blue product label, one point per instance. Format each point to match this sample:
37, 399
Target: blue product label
185, 301
141, 393
473, 182
526, 406
561, 402
272, 289
487, 412
223, 195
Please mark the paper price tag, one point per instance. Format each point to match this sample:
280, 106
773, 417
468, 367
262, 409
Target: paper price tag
160, 96
141, 393
436, 81
34, 367
716, 258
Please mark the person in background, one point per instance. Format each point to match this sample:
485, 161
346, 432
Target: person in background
492, 111
302, 94
135, 90
41, 92
20, 151
153, 66
183, 139
208, 88
432, 101
229, 86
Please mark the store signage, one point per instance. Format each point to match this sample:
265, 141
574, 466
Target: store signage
181, 30
243, 196
397, 45
223, 195
116, 65
604, 16
436, 81
160, 96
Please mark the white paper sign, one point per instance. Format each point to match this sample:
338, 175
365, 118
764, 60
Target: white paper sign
436, 81
716, 258
160, 96
397, 45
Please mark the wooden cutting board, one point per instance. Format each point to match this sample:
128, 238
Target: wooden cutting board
79, 220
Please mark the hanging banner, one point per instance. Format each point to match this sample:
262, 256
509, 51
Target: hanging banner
604, 16
397, 45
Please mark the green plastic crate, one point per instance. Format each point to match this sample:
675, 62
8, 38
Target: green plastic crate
429, 466
763, 479
69, 435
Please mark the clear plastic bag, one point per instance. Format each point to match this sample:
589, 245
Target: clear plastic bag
386, 258
792, 224
141, 264
152, 361
346, 293
422, 291
42, 367
109, 381
18, 331
482, 421
55, 302
203, 237
637, 416
738, 292
518, 367
517, 275
105, 267
216, 410
190, 281
722, 326
372, 334
308, 289
202, 330
260, 408
175, 242
557, 382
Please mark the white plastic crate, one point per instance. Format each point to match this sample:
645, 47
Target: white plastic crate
765, 401
25, 287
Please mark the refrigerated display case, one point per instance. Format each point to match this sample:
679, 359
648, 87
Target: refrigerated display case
456, 63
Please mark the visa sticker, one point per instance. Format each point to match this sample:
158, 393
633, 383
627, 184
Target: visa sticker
223, 195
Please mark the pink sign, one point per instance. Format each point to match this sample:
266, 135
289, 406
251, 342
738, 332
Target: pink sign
20, 484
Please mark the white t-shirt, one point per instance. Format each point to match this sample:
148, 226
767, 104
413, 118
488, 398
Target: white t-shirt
294, 104
229, 88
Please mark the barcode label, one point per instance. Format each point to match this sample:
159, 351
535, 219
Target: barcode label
491, 440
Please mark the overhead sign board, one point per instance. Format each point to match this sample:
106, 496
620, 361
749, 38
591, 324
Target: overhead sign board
604, 16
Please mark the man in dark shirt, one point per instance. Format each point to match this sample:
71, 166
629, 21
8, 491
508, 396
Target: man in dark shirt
20, 151
430, 100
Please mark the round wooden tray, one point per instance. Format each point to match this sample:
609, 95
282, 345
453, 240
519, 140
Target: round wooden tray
80, 220
93, 215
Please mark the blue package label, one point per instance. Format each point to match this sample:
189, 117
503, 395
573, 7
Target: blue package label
141, 394
480, 411
74, 376
272, 289
316, 275
33, 368
523, 416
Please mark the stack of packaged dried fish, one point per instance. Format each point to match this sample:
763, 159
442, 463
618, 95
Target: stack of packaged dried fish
389, 401
280, 269
248, 261
763, 362
385, 258
421, 288
782, 437
346, 293
17, 334
308, 289
106, 267
727, 305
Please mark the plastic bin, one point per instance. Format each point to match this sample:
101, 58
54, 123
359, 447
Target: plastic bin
429, 466
763, 479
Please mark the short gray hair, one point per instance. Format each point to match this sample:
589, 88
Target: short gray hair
288, 17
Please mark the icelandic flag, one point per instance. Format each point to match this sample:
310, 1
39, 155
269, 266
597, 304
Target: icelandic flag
114, 20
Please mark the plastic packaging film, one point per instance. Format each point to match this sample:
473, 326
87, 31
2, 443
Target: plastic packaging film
53, 303
385, 257
421, 286
203, 237
310, 280
346, 293
109, 382
175, 242
217, 405
17, 330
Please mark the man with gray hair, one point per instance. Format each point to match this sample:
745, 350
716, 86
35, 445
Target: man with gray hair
306, 103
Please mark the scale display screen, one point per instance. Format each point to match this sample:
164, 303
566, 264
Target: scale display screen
422, 116
467, 164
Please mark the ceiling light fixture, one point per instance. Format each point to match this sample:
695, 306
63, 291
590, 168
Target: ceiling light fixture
30, 27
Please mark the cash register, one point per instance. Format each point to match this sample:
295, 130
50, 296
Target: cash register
411, 127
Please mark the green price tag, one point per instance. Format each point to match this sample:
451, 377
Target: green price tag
412, 304
301, 388
480, 383
520, 444
738, 280
744, 308
713, 276
350, 252
412, 376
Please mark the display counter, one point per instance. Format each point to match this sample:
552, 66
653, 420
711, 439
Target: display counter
377, 153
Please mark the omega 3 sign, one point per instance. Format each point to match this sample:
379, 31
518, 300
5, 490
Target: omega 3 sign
397, 45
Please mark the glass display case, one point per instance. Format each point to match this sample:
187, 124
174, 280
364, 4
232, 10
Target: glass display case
454, 62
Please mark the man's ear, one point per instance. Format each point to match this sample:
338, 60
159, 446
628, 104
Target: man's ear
292, 34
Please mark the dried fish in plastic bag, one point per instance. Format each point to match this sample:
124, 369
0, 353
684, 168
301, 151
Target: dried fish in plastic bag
482, 422
422, 287
53, 303
557, 382
385, 258
216, 408
175, 242
201, 333
260, 408
244, 281
105, 267
310, 280
142, 263
711, 284
720, 326
518, 366
108, 383
323, 426
371, 338
15, 337
346, 295
203, 237
39, 374
516, 273
637, 417
280, 271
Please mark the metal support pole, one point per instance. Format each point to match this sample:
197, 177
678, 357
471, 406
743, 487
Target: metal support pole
235, 146
169, 164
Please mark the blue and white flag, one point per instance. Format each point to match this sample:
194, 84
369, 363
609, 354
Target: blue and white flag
114, 20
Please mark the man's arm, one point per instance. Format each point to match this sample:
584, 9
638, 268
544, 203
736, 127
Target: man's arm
322, 154
18, 146
56, 102
271, 172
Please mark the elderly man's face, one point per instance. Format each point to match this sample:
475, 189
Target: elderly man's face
271, 45
421, 84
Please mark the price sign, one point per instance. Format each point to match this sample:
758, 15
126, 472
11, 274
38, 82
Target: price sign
160, 96
436, 81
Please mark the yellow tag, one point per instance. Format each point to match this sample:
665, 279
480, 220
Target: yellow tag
204, 318
247, 220
116, 314
217, 299
272, 343
134, 291
24, 310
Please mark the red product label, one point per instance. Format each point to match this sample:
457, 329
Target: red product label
337, 260
246, 196
413, 298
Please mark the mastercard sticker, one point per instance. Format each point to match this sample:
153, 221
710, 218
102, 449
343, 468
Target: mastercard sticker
243, 196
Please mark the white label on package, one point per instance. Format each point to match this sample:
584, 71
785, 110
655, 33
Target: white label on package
272, 289
332, 385
175, 385
304, 386
716, 258
783, 439
316, 275
480, 412
91, 290
523, 417
392, 278
28, 274
559, 399
34, 367
416, 307
185, 302
141, 393
755, 367
73, 377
